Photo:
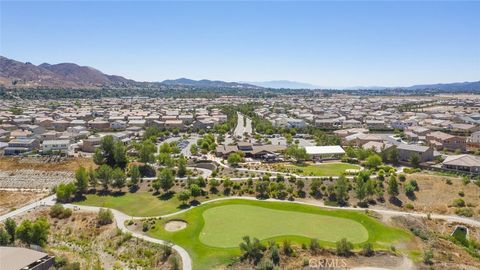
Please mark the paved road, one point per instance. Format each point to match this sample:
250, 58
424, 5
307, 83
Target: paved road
241, 129
50, 200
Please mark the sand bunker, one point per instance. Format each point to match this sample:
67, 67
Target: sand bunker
175, 225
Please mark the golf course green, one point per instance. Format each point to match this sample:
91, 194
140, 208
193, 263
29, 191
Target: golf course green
215, 229
226, 225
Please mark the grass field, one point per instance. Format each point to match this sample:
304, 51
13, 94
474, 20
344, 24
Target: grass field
215, 229
326, 169
226, 225
140, 204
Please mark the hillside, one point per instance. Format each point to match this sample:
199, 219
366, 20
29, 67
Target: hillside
209, 84
15, 74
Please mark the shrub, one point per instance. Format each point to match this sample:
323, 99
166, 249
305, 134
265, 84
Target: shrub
344, 247
467, 212
458, 203
367, 250
409, 206
58, 211
105, 216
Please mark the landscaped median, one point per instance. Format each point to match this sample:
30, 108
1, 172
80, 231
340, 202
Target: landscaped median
214, 230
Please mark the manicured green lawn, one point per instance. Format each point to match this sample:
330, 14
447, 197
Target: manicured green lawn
215, 229
326, 169
226, 225
139, 204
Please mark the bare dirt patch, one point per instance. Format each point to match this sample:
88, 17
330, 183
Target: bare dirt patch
10, 200
175, 225
44, 163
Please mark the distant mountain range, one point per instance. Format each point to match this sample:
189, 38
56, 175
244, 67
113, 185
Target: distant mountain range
15, 74
280, 84
209, 83
458, 86
23, 75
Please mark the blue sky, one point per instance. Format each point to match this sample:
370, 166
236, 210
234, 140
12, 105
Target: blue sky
323, 43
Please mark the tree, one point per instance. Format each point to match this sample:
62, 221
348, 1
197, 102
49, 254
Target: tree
156, 185
415, 160
344, 247
275, 255
182, 166
252, 250
262, 188
315, 246
194, 149
195, 191
104, 175
64, 191
214, 183
409, 189
106, 147
373, 161
166, 160
227, 185
92, 178
98, 157
24, 231
11, 227
183, 196
315, 186
166, 179
392, 186
120, 155
360, 189
81, 179
40, 230
105, 216
4, 237
393, 155
146, 151
341, 190
234, 158
296, 152
118, 178
135, 176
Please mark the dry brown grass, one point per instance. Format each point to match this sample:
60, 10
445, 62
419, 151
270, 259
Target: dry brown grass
70, 164
10, 200
435, 195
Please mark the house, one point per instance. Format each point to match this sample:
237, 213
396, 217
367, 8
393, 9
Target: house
296, 123
118, 125
98, 124
56, 146
440, 140
375, 124
403, 124
137, 123
60, 125
203, 124
19, 146
474, 139
377, 146
14, 258
328, 123
91, 144
330, 151
463, 163
172, 124
406, 151
351, 123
